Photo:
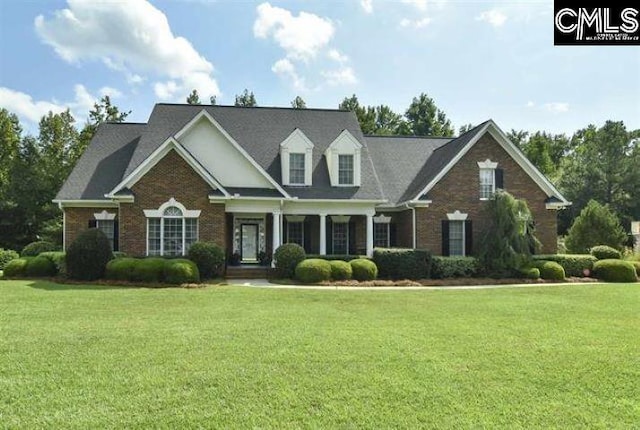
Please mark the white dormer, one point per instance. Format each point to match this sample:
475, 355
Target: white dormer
296, 153
343, 160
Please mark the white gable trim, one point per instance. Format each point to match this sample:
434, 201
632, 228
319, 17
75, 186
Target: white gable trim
512, 150
155, 158
204, 114
159, 213
332, 153
297, 133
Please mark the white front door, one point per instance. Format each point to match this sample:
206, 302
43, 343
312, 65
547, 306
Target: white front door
249, 242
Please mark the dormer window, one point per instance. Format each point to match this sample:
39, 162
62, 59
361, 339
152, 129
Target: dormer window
296, 153
345, 169
343, 160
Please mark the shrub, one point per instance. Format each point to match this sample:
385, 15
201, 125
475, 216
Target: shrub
287, 257
88, 255
6, 255
363, 269
530, 273
343, 257
636, 264
596, 225
181, 271
313, 270
149, 270
454, 267
604, 252
121, 269
209, 258
550, 270
119, 254
341, 270
16, 268
399, 263
573, 264
36, 248
40, 266
612, 270
58, 258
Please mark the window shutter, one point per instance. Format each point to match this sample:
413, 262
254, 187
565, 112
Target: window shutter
93, 223
307, 232
445, 238
329, 233
499, 179
285, 231
352, 238
116, 233
393, 235
468, 237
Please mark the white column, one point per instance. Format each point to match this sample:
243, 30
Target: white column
323, 234
369, 236
275, 233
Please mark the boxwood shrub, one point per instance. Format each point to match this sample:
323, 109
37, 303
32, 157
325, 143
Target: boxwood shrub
530, 273
454, 267
36, 248
573, 264
343, 257
550, 270
636, 264
58, 258
341, 270
182, 271
209, 258
364, 269
604, 252
121, 269
16, 268
313, 270
88, 255
149, 270
6, 255
286, 259
402, 263
40, 266
613, 270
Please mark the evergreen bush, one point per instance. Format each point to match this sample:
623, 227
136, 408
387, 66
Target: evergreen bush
36, 248
286, 259
88, 255
364, 269
613, 270
341, 270
604, 252
596, 225
209, 258
313, 270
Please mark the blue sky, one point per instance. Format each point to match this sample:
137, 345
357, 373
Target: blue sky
478, 60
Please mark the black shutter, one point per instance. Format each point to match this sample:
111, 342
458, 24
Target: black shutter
468, 238
93, 223
285, 231
445, 237
329, 236
500, 179
393, 235
307, 232
352, 238
116, 233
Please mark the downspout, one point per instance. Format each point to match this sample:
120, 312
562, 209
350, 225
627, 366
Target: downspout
413, 219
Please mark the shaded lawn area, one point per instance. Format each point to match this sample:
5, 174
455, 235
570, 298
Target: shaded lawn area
229, 357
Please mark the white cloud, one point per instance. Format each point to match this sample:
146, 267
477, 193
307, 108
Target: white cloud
530, 104
421, 5
557, 107
418, 23
494, 17
300, 36
285, 69
342, 76
367, 5
109, 91
336, 55
32, 111
131, 37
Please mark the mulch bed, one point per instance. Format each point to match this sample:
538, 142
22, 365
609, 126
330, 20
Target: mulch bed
454, 282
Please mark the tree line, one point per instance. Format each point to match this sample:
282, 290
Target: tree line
594, 163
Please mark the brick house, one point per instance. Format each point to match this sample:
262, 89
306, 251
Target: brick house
250, 179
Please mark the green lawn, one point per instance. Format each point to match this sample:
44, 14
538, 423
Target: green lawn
233, 357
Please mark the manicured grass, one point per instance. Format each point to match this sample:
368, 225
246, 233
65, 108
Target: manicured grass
233, 357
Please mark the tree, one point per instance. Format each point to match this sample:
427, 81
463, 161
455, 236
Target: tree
212, 100
246, 99
425, 119
10, 135
298, 103
463, 129
387, 122
366, 115
518, 137
508, 239
103, 111
596, 225
193, 98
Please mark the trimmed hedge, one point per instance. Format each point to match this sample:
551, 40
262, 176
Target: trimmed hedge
6, 255
313, 270
182, 271
120, 269
573, 264
613, 270
402, 263
530, 273
88, 255
454, 267
341, 270
364, 269
119, 254
286, 259
604, 252
36, 248
16, 268
209, 258
636, 264
40, 267
58, 258
150, 270
343, 257
550, 270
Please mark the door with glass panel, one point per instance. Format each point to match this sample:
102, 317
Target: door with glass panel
249, 246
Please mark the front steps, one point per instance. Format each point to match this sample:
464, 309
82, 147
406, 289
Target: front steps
248, 272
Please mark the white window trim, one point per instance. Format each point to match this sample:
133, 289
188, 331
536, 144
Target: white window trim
159, 213
457, 216
344, 144
296, 143
104, 216
353, 170
489, 166
388, 233
382, 219
339, 220
464, 250
303, 183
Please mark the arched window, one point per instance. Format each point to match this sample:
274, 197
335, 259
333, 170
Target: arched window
171, 229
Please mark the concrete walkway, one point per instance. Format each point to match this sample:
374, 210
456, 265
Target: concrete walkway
263, 283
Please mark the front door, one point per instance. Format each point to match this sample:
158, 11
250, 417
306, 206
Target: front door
249, 238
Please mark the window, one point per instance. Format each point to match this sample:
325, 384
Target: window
381, 235
296, 169
487, 183
172, 234
295, 232
345, 169
340, 238
107, 227
456, 238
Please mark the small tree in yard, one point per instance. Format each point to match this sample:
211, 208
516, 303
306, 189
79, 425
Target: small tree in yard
509, 238
596, 225
88, 255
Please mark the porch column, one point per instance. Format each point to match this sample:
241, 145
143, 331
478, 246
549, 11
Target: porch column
323, 234
276, 230
369, 236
